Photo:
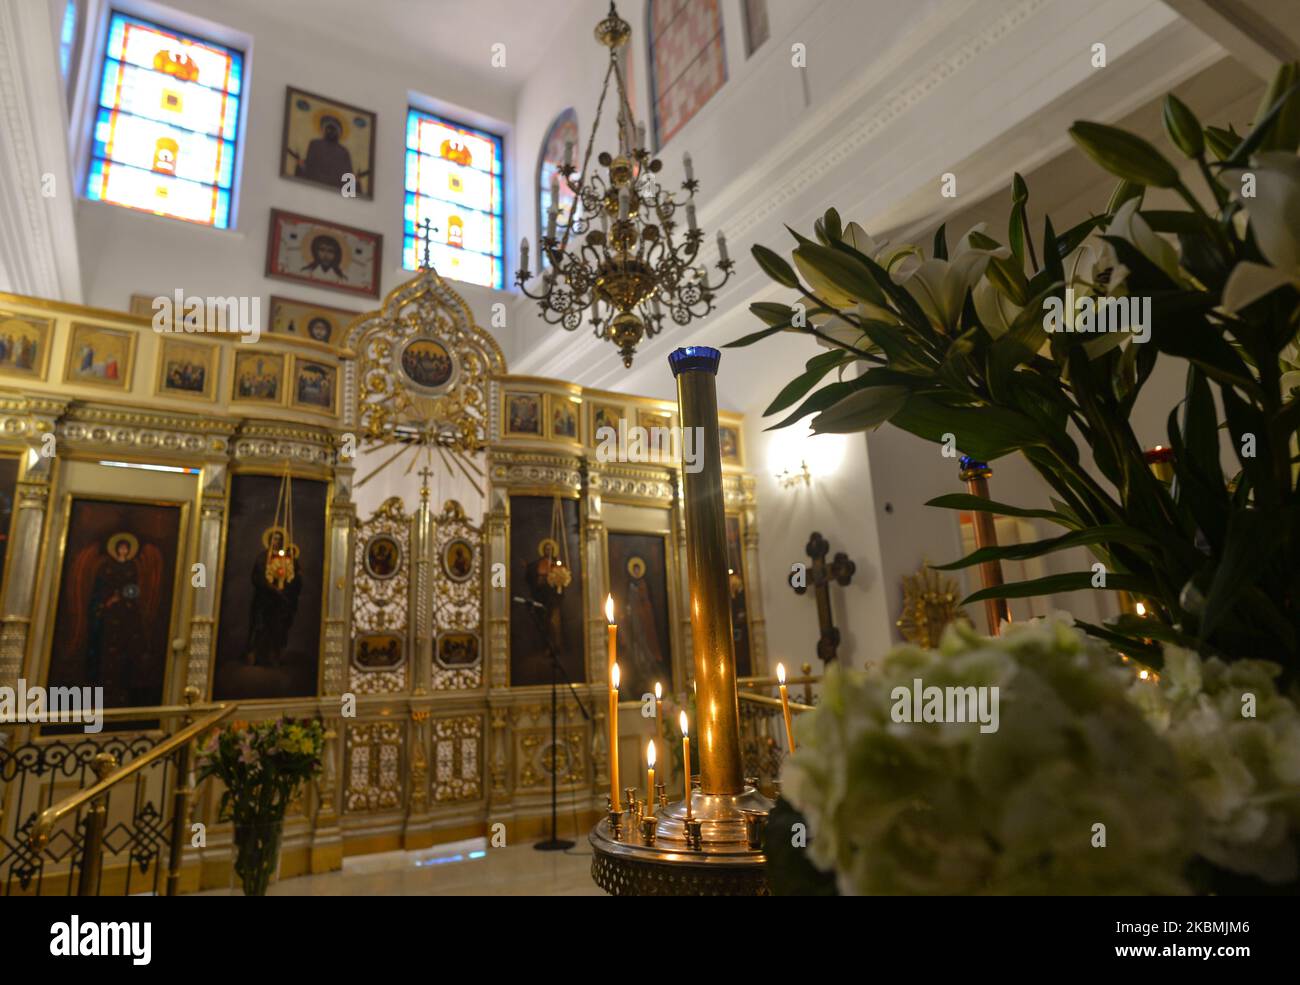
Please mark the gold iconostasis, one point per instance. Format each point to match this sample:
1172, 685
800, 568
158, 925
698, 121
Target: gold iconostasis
180, 512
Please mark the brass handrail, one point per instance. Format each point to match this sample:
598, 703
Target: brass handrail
763, 699
40, 834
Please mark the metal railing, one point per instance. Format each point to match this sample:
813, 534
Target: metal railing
762, 731
82, 828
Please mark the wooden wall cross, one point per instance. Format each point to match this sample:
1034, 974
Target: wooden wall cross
840, 570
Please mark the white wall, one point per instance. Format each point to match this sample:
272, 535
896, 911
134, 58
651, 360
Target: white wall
125, 252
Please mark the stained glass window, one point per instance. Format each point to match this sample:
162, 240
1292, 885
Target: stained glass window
167, 124
454, 179
687, 62
562, 138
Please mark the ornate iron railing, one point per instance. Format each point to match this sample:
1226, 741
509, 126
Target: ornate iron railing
104, 814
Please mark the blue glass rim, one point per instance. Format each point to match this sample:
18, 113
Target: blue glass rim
694, 357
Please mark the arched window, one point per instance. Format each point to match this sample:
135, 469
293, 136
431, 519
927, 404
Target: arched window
561, 139
687, 63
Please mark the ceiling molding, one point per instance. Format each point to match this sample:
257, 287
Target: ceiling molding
895, 186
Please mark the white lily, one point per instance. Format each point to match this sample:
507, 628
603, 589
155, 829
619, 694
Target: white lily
832, 325
1274, 217
1126, 224
997, 311
940, 286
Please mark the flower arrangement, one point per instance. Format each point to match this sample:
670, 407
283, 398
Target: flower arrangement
1093, 782
1238, 742
999, 344
1073, 793
261, 766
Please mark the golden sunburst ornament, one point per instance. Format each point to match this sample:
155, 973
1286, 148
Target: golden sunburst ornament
929, 606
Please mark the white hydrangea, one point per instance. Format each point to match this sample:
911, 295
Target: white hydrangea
900, 807
1238, 742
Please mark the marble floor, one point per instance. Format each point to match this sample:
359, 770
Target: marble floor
464, 868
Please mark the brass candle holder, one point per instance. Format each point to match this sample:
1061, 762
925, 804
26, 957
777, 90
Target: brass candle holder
976, 476
711, 845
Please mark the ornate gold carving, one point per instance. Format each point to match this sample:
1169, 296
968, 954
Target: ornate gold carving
457, 598
374, 756
457, 758
389, 402
381, 603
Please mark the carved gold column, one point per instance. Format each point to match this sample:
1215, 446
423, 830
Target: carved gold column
32, 503
753, 594
212, 514
422, 550
496, 661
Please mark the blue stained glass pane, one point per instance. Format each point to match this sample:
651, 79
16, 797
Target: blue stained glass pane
165, 133
184, 104
454, 181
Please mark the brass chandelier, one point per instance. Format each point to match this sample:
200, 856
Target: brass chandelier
631, 264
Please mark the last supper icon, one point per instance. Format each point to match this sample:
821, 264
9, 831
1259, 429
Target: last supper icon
427, 365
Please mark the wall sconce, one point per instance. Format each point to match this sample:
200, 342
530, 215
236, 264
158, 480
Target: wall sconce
788, 477
795, 455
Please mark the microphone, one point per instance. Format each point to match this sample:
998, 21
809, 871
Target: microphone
523, 601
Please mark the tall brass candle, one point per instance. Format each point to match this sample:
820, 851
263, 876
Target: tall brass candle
976, 476
717, 706
686, 760
613, 738
785, 706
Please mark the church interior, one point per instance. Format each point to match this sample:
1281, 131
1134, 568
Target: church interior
663, 447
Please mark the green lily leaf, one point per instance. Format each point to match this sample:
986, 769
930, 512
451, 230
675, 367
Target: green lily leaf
1076, 538
1074, 581
966, 501
861, 411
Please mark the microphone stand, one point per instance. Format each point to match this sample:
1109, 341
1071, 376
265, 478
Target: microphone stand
553, 844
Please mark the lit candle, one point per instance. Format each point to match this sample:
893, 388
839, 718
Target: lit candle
650, 776
613, 738
688, 167
523, 254
686, 760
722, 247
613, 701
785, 705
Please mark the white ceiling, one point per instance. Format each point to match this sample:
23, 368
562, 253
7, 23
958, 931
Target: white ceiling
456, 33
